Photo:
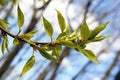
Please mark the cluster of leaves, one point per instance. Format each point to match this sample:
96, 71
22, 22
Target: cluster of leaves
76, 40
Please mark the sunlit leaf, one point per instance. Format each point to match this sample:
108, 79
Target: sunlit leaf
73, 36
62, 35
29, 41
4, 24
89, 54
46, 55
30, 34
15, 41
48, 27
57, 50
20, 17
69, 44
67, 30
46, 48
97, 30
84, 31
4, 44
61, 21
29, 64
99, 38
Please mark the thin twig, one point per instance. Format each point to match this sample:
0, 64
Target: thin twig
14, 36
111, 67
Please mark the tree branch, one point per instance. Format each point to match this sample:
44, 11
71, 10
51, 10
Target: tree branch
111, 67
20, 39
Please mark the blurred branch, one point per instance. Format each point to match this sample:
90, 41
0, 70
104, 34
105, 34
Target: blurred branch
44, 6
112, 65
86, 11
105, 14
68, 19
54, 65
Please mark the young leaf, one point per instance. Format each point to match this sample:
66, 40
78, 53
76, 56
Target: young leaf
29, 41
4, 24
73, 33
56, 51
20, 17
4, 44
15, 41
73, 36
69, 44
30, 34
100, 38
67, 30
84, 31
97, 30
89, 54
61, 21
46, 48
29, 64
48, 27
62, 36
46, 55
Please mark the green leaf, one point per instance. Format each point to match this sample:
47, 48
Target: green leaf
89, 54
4, 24
61, 21
46, 48
14, 1
73, 33
97, 30
2, 2
4, 44
48, 27
67, 30
20, 17
62, 36
29, 41
73, 36
69, 44
15, 41
100, 38
57, 50
84, 31
29, 64
30, 34
46, 55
